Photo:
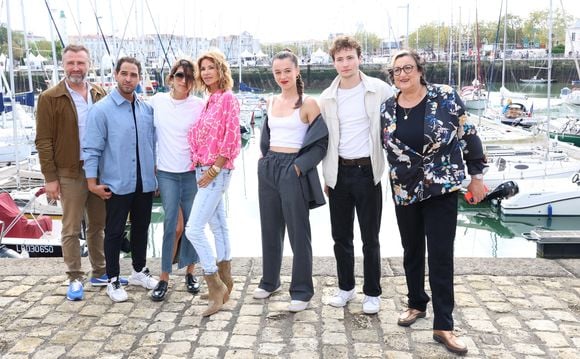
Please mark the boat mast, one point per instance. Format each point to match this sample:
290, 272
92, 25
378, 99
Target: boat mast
459, 56
450, 39
478, 47
239, 62
26, 49
15, 118
550, 24
504, 47
53, 49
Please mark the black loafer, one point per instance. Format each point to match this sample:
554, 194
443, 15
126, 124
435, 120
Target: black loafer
192, 283
159, 292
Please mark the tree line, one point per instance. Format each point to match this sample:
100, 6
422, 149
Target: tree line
529, 32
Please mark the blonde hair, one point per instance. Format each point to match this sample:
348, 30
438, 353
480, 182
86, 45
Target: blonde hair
225, 74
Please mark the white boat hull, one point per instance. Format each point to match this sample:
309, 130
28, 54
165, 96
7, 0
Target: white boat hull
544, 198
518, 168
475, 104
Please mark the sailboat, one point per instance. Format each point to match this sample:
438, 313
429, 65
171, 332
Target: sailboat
475, 96
550, 196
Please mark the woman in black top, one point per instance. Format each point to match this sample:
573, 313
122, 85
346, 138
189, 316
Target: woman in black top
427, 140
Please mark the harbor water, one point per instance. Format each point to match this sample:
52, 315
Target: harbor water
481, 231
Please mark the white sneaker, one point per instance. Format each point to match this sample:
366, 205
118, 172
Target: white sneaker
342, 297
371, 305
143, 279
115, 291
260, 293
297, 305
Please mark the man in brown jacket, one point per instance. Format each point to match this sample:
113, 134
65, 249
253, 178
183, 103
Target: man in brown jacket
60, 122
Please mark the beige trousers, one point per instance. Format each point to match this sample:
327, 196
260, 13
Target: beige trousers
76, 202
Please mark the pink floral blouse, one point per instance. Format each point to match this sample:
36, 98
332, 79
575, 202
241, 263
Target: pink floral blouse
217, 132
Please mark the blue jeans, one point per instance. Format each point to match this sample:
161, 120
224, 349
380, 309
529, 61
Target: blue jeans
208, 207
177, 193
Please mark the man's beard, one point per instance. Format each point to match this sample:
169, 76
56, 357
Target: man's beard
76, 79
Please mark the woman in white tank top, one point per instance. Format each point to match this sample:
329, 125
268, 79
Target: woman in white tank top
281, 182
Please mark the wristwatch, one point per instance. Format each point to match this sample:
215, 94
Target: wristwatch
478, 176
216, 168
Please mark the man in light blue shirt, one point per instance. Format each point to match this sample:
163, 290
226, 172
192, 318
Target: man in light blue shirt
119, 161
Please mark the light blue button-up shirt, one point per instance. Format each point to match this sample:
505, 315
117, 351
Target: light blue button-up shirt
110, 144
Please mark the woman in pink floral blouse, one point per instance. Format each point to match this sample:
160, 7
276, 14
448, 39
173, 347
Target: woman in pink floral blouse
214, 142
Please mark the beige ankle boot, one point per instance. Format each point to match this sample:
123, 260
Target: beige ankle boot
225, 271
218, 294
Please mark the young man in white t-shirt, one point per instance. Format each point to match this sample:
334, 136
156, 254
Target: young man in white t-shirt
352, 169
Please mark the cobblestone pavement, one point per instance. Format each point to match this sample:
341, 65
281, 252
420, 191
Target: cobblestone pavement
506, 308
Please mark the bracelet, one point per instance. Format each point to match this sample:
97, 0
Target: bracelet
211, 172
216, 168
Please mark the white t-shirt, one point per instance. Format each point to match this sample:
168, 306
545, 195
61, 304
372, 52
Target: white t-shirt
354, 124
173, 119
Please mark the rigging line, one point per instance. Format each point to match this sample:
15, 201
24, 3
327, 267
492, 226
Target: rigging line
74, 19
54, 23
125, 29
170, 47
102, 34
157, 32
490, 79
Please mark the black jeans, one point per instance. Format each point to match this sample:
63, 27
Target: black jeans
355, 189
138, 205
435, 219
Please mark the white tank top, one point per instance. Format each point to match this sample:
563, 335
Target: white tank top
287, 131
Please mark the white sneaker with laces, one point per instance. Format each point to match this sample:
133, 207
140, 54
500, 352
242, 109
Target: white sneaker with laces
260, 293
143, 279
371, 305
115, 291
342, 297
297, 305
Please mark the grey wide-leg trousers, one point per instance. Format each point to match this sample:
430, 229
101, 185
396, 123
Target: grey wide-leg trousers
282, 205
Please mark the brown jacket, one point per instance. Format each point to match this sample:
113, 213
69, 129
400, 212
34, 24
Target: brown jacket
57, 132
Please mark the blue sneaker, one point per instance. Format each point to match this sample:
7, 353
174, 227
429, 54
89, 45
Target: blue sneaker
75, 290
103, 280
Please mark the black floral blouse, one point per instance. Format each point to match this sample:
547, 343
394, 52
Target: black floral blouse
448, 140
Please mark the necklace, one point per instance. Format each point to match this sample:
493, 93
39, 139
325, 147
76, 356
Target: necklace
407, 111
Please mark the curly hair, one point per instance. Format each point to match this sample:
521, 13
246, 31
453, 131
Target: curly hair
344, 42
225, 74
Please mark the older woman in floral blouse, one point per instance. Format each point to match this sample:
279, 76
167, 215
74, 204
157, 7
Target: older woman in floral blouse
214, 142
427, 139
